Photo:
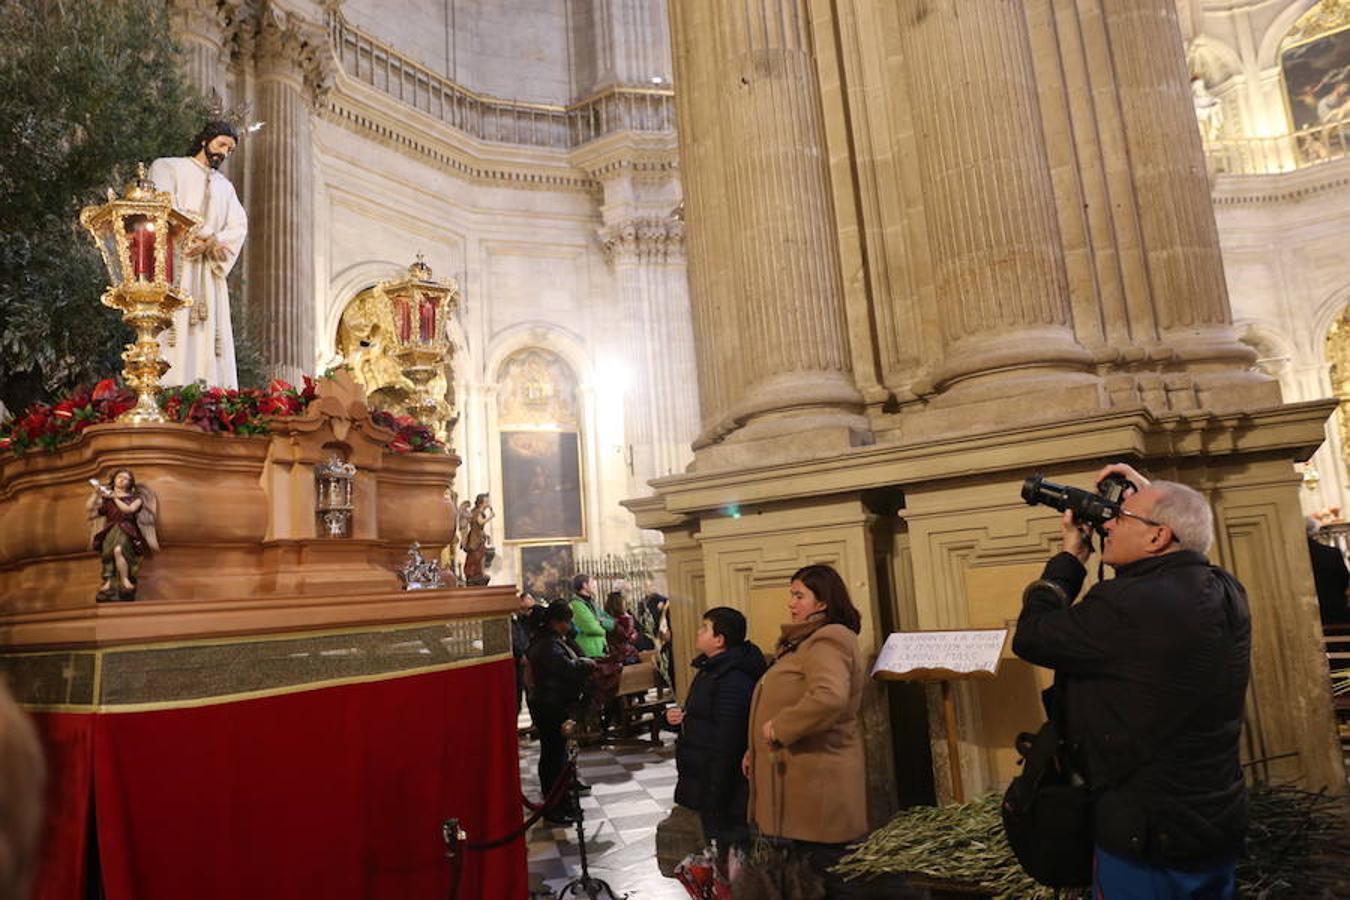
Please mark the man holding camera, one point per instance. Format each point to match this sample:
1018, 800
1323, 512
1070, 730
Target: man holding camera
1153, 665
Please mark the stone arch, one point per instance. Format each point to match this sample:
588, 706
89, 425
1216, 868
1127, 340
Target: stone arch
1212, 60
1268, 52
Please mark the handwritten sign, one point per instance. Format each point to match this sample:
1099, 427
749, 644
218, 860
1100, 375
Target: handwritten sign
937, 655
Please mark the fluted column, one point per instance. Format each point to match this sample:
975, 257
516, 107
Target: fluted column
1175, 211
771, 326
1002, 293
200, 27
289, 79
661, 405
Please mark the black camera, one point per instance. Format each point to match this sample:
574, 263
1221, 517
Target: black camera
1088, 508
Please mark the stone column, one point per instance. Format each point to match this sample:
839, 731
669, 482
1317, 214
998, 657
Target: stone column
200, 26
773, 327
1175, 211
1001, 289
291, 75
661, 404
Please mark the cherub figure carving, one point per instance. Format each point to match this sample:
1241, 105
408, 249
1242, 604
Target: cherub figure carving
476, 542
122, 516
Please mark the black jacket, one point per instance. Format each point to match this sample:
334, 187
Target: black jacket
1154, 665
713, 734
559, 674
1331, 578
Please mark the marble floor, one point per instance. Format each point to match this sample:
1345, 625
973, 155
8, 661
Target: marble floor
632, 786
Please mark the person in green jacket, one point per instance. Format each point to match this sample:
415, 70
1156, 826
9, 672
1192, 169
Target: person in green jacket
590, 621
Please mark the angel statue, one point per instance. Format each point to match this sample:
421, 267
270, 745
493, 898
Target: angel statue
123, 532
476, 542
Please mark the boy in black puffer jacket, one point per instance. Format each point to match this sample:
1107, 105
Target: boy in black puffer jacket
713, 724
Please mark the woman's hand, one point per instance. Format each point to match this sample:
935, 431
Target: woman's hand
674, 715
745, 764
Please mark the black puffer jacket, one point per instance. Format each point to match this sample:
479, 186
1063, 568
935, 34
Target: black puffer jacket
559, 674
1154, 664
713, 734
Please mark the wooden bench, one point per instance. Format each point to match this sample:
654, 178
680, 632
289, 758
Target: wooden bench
642, 698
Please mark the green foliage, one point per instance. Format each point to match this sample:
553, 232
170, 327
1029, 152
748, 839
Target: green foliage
88, 88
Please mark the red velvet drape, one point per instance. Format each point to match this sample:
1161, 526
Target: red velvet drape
338, 792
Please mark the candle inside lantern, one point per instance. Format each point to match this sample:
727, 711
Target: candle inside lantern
142, 250
404, 319
427, 319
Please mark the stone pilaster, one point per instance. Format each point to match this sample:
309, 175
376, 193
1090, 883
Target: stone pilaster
632, 42
773, 327
661, 405
292, 73
998, 265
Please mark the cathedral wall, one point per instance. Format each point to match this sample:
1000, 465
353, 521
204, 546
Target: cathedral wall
531, 273
513, 49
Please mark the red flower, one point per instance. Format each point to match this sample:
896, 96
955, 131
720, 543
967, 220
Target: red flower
399, 445
64, 410
277, 386
105, 390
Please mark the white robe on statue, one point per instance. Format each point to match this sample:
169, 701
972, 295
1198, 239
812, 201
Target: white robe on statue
200, 345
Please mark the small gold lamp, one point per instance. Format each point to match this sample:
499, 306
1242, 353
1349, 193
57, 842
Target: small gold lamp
421, 307
142, 238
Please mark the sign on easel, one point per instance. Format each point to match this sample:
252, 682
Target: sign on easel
943, 657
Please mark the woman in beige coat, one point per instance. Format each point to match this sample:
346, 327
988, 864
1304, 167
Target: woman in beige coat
805, 757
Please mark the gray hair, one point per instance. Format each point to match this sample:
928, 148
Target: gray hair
1186, 511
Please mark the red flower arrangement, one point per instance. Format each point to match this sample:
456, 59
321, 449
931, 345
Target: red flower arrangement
411, 436
245, 412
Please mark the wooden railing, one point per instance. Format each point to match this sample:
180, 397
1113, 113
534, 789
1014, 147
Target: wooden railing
1281, 153
621, 108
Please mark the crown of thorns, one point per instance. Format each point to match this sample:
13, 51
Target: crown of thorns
239, 117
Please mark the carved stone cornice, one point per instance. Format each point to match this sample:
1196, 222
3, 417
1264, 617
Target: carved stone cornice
646, 240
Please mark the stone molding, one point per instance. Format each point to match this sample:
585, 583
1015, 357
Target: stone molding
644, 240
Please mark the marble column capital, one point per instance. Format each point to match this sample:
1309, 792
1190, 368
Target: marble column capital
653, 240
207, 21
287, 47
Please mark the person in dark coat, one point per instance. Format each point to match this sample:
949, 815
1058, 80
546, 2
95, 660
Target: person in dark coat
1154, 664
559, 674
520, 640
713, 727
1331, 578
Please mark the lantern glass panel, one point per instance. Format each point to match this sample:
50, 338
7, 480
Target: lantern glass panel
108, 242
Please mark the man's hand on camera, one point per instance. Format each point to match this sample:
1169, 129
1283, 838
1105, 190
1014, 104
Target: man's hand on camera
1077, 538
1130, 472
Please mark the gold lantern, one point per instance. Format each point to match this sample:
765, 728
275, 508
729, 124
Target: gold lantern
419, 307
142, 238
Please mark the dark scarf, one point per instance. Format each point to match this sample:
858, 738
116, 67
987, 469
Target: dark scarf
793, 633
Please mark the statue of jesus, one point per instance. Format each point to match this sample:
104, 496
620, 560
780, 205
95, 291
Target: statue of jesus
200, 345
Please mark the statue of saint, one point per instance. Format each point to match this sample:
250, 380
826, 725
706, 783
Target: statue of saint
477, 543
200, 344
122, 514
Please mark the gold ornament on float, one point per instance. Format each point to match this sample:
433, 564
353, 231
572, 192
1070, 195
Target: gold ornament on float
394, 336
142, 237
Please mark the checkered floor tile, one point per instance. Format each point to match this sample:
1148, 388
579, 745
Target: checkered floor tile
631, 790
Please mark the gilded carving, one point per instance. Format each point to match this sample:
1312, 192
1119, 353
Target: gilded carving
1338, 356
536, 389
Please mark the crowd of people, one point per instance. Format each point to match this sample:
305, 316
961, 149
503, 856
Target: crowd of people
1151, 668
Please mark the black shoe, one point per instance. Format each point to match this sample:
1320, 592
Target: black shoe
560, 819
583, 788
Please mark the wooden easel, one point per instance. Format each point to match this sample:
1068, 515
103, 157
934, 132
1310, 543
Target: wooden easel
944, 677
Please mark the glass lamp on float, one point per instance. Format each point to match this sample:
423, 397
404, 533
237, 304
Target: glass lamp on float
141, 237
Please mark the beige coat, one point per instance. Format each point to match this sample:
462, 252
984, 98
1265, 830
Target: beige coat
811, 788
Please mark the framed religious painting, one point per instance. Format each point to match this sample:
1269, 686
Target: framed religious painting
545, 570
541, 486
1316, 74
